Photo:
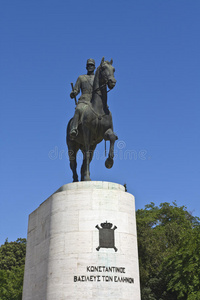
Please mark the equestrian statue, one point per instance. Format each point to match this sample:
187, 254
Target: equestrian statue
92, 121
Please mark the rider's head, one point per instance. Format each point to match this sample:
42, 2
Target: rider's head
90, 66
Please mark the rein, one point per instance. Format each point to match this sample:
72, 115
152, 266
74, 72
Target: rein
99, 88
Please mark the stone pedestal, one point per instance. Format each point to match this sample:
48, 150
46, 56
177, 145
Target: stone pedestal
82, 244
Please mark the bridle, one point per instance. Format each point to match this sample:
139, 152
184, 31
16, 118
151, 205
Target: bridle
103, 85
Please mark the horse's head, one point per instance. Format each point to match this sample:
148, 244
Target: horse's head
107, 73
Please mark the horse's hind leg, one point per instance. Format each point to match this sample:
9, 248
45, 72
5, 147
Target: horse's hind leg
85, 169
110, 136
72, 151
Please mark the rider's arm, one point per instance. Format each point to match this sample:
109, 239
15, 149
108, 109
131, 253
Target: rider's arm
77, 86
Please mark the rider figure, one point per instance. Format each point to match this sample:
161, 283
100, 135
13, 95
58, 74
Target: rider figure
85, 84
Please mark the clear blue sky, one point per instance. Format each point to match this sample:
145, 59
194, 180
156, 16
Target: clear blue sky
44, 46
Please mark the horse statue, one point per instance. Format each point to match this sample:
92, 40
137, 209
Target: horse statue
95, 124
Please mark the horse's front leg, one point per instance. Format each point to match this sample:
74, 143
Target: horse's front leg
109, 135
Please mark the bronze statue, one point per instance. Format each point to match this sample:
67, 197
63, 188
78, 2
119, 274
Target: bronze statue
94, 121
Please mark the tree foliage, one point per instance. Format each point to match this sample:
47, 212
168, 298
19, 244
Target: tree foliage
12, 259
166, 256
184, 265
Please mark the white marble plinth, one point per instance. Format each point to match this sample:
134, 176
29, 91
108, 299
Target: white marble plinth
62, 261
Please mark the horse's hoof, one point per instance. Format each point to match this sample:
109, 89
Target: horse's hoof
109, 163
86, 178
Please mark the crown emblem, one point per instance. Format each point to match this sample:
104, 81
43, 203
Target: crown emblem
106, 236
106, 225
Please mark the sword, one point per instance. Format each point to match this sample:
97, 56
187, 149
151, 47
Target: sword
73, 90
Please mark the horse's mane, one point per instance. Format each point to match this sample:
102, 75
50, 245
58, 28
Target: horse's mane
98, 68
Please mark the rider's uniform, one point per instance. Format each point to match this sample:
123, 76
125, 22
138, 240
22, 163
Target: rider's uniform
85, 84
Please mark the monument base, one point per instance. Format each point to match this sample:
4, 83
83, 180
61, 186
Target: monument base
82, 244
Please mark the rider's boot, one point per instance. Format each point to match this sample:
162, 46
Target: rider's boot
74, 127
73, 133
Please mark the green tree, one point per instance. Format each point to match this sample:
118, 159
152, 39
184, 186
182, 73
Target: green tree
184, 267
12, 260
161, 231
